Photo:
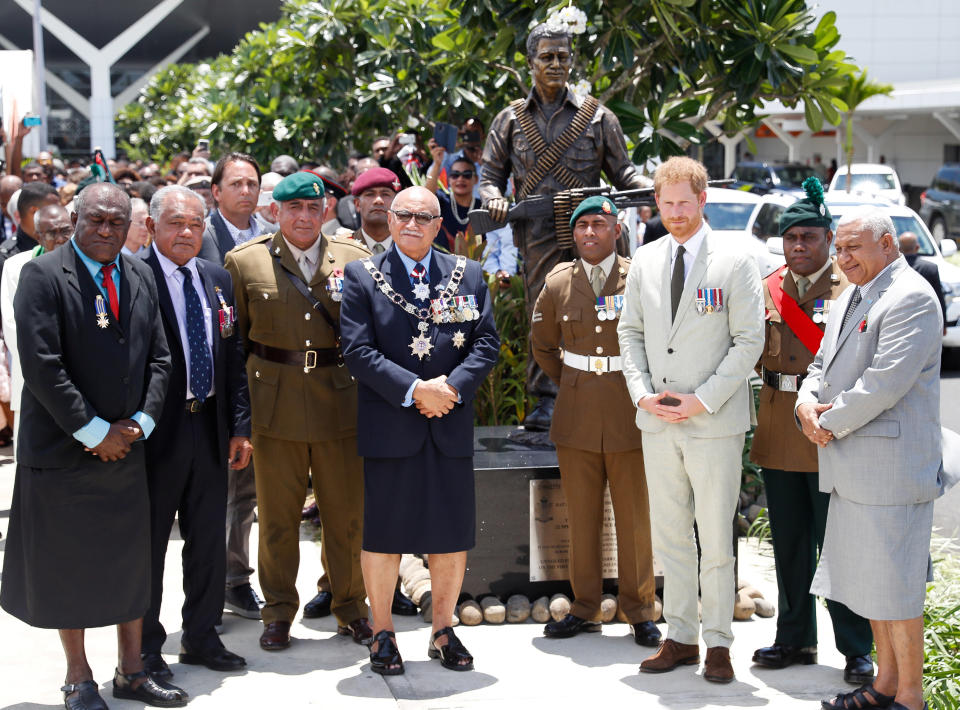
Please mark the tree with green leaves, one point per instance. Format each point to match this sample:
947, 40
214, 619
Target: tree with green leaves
331, 74
853, 91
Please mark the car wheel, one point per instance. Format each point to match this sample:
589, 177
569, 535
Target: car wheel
938, 228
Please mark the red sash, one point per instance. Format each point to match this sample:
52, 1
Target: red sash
799, 322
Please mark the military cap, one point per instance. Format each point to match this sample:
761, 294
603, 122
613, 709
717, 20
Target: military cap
298, 186
375, 177
808, 212
330, 186
597, 204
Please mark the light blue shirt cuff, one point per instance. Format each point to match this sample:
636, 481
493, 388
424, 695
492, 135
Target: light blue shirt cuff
146, 423
93, 433
408, 400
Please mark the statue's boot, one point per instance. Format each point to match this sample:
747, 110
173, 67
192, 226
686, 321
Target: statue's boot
539, 419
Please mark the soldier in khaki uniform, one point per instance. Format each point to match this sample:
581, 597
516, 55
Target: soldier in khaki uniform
304, 405
798, 304
574, 336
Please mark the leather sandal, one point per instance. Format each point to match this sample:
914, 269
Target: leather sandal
863, 698
451, 653
87, 696
386, 655
149, 691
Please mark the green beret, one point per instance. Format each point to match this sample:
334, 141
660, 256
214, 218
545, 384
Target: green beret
299, 186
808, 212
597, 204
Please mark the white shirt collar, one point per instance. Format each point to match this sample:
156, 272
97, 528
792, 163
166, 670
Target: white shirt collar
868, 287
241, 235
606, 265
693, 244
170, 270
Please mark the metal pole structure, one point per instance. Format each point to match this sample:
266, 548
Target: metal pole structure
39, 78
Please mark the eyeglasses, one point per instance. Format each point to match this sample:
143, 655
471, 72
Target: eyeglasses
454, 174
422, 218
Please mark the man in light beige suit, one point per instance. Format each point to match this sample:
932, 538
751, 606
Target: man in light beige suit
690, 334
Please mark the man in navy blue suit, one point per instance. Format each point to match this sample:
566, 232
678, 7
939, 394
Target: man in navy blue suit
419, 336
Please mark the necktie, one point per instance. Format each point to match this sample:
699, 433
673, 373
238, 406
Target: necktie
803, 283
596, 280
306, 266
107, 271
201, 372
676, 282
854, 302
378, 248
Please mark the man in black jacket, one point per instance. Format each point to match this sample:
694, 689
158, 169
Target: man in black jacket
205, 423
95, 373
910, 248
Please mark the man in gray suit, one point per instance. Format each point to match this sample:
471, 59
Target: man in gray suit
871, 402
690, 335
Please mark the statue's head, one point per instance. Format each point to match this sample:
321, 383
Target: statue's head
550, 57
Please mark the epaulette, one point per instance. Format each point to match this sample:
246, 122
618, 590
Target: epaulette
561, 267
256, 240
349, 242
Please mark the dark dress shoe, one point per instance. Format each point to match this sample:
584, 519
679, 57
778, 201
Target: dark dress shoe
359, 630
781, 655
275, 636
541, 416
156, 667
243, 601
859, 670
318, 606
647, 634
149, 691
216, 659
87, 696
568, 626
402, 606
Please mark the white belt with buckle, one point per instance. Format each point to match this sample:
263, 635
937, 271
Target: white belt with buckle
592, 363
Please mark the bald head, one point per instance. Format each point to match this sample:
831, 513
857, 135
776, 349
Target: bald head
9, 184
909, 243
414, 205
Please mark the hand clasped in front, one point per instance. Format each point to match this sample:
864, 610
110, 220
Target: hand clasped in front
435, 397
809, 416
689, 406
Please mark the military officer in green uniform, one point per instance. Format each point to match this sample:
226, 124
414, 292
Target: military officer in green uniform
304, 405
798, 304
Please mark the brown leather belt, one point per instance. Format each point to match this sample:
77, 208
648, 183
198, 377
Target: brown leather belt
307, 359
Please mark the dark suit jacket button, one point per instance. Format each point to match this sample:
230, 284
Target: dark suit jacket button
126, 380
669, 351
122, 341
664, 380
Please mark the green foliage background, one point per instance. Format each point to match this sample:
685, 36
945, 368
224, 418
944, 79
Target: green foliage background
332, 74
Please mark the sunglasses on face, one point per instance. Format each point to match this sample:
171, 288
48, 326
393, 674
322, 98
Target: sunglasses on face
454, 174
422, 218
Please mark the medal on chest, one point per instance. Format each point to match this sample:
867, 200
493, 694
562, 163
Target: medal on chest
420, 345
609, 307
821, 309
227, 316
335, 286
101, 308
709, 300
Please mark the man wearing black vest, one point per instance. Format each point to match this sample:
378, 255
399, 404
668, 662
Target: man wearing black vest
236, 189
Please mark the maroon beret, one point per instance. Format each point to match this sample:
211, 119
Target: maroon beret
375, 177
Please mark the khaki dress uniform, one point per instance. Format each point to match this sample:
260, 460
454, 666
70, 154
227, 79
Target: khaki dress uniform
797, 509
596, 438
303, 420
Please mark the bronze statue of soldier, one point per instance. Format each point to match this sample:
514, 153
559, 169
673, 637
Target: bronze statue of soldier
550, 142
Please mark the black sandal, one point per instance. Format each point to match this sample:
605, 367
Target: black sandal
452, 652
149, 691
386, 655
87, 696
863, 698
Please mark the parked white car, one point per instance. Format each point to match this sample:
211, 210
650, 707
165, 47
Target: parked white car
733, 214
906, 220
868, 181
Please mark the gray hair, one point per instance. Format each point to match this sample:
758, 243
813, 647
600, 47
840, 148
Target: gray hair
545, 31
160, 196
871, 219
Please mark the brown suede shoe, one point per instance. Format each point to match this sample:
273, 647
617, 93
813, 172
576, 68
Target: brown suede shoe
275, 636
717, 668
670, 655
